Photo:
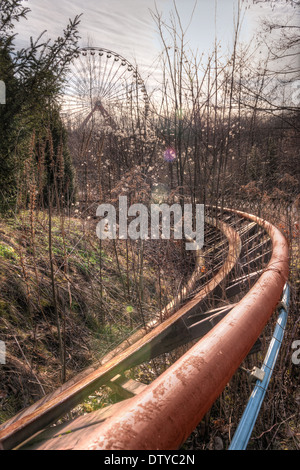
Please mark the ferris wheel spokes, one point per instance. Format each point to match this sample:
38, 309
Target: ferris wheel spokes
103, 83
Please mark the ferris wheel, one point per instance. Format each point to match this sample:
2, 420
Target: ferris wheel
104, 90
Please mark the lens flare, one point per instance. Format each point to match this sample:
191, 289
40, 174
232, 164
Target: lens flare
170, 154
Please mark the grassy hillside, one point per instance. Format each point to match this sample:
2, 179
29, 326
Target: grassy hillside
66, 300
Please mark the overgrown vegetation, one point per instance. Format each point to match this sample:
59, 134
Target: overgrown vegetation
33, 78
95, 307
223, 129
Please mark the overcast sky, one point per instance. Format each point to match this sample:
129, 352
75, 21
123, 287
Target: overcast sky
127, 27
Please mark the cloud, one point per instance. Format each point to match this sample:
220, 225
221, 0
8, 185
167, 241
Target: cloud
125, 24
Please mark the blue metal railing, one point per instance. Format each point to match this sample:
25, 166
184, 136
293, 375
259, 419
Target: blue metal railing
244, 430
